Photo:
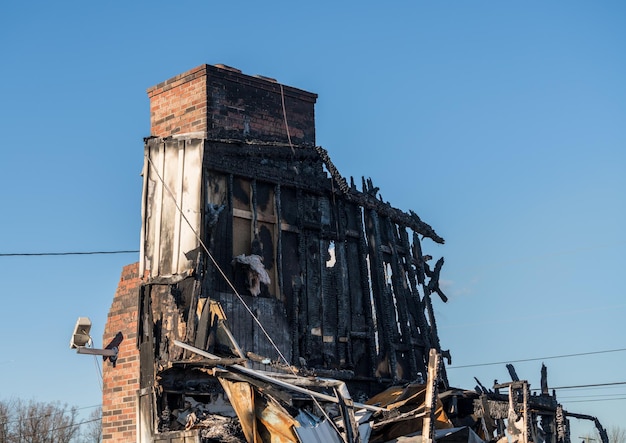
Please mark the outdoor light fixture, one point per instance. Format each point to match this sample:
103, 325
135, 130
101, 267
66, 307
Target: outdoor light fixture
81, 339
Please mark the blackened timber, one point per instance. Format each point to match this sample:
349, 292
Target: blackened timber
192, 317
544, 380
329, 307
386, 325
279, 241
217, 193
341, 268
301, 168
204, 327
416, 307
400, 289
603, 434
512, 372
418, 260
273, 164
147, 345
369, 201
303, 340
255, 220
366, 293
433, 284
434, 336
314, 294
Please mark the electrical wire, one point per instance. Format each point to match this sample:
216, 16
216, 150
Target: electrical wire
76, 424
48, 254
598, 399
561, 397
48, 415
536, 359
595, 385
97, 363
282, 97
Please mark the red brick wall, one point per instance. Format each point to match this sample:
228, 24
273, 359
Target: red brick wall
223, 103
121, 383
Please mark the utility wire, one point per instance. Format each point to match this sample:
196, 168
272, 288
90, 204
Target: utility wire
595, 385
77, 425
47, 415
48, 254
621, 394
597, 399
537, 359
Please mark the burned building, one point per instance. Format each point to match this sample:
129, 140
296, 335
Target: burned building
258, 257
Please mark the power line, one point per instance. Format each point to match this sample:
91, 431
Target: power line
621, 394
597, 399
585, 387
589, 386
537, 359
48, 254
47, 415
75, 424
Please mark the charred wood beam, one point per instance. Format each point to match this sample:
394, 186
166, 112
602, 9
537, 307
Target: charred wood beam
512, 372
341, 269
544, 380
418, 260
400, 290
368, 200
237, 369
481, 388
382, 298
433, 284
416, 307
603, 434
434, 336
192, 316
562, 426
366, 292
279, 241
490, 423
538, 404
302, 170
301, 345
207, 362
255, 220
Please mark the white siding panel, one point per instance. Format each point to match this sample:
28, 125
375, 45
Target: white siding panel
172, 207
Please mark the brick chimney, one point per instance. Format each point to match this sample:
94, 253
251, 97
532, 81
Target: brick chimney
207, 102
222, 103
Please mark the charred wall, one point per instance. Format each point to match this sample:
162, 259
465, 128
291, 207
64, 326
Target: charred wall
340, 283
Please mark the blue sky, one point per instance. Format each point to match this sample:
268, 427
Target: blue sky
502, 124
